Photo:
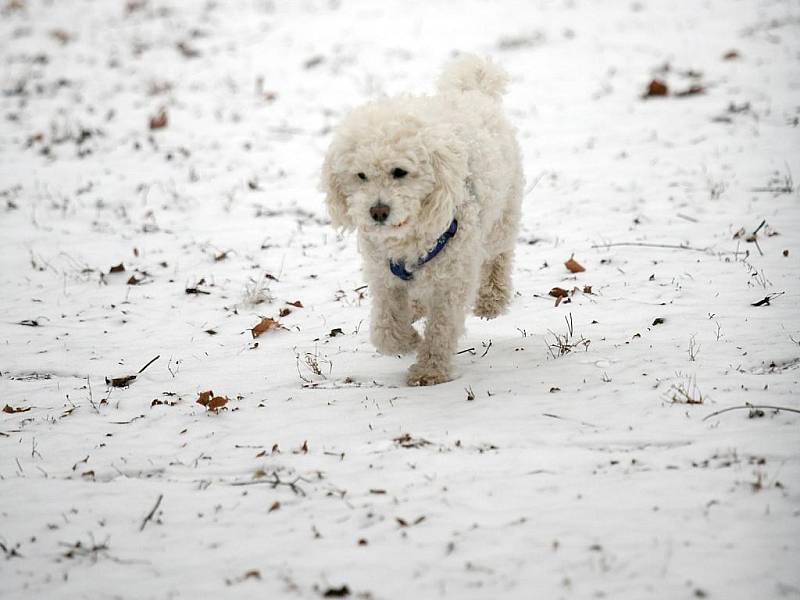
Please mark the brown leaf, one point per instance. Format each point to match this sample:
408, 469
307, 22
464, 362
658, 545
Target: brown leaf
731, 55
205, 397
284, 312
253, 574
259, 474
133, 280
11, 410
558, 292
265, 325
262, 453
656, 88
275, 506
63, 37
587, 289
340, 592
573, 266
296, 304
217, 402
160, 120
117, 268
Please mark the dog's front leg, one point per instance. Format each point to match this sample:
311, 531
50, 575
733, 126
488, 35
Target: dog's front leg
445, 325
391, 331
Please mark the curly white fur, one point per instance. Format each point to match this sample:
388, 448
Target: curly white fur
461, 160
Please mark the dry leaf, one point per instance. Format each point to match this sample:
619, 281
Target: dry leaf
558, 292
12, 410
265, 325
217, 402
205, 397
296, 304
275, 506
284, 312
656, 88
117, 268
63, 37
573, 266
160, 120
730, 55
259, 474
253, 574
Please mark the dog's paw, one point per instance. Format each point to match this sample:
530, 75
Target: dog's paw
490, 303
488, 310
392, 342
419, 374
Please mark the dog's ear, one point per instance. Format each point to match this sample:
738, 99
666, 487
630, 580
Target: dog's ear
334, 197
450, 171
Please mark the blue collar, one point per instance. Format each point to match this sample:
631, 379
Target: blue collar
399, 268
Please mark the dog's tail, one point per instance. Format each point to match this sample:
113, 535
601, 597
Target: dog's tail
469, 72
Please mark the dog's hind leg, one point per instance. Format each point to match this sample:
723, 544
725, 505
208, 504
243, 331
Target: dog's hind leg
494, 292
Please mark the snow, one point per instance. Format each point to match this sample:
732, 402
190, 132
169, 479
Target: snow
569, 476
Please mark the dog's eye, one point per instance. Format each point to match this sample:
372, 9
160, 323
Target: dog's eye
399, 173
362, 177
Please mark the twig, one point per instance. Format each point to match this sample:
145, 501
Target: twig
470, 350
650, 245
534, 183
275, 482
152, 360
751, 406
155, 508
552, 416
91, 397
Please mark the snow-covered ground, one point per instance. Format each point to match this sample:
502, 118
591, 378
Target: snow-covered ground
602, 472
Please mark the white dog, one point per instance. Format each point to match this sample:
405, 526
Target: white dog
433, 185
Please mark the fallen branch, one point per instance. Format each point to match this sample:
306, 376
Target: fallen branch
752, 406
155, 508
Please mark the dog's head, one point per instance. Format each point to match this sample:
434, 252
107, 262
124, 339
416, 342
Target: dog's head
390, 174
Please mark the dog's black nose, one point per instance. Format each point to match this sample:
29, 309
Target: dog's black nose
379, 212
